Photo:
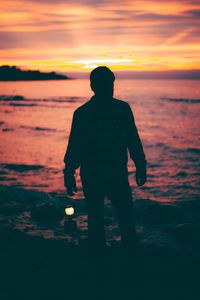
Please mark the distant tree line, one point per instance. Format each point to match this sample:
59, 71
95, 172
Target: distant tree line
12, 73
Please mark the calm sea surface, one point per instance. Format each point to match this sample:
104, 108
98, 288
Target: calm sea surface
35, 130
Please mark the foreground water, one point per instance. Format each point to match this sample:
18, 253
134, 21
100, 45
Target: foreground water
35, 129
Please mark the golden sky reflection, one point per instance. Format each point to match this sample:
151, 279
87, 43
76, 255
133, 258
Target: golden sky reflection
81, 34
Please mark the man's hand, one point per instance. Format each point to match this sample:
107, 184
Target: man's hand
70, 183
141, 175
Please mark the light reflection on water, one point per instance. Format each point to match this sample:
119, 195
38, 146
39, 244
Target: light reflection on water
35, 131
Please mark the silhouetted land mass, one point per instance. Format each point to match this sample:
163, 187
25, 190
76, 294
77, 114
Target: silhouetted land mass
12, 73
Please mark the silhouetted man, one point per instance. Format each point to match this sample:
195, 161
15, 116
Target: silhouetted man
103, 131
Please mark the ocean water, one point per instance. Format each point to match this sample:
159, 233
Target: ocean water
35, 130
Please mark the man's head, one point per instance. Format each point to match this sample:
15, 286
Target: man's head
102, 81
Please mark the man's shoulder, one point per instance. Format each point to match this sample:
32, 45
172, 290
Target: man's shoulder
84, 107
121, 103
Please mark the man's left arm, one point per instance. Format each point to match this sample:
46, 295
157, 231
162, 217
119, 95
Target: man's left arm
135, 148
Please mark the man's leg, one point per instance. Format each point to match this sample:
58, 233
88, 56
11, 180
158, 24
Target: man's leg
95, 208
120, 195
94, 198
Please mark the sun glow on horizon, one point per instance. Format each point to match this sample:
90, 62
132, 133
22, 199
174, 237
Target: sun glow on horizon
93, 63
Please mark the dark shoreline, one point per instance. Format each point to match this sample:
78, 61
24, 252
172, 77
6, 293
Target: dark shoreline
25, 80
12, 73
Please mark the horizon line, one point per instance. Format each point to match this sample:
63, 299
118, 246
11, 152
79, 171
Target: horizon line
120, 74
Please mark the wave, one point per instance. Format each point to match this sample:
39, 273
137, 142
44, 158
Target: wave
194, 150
10, 98
52, 100
21, 167
7, 129
173, 149
37, 128
22, 104
64, 99
60, 99
183, 100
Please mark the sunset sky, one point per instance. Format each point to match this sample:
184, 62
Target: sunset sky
78, 35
